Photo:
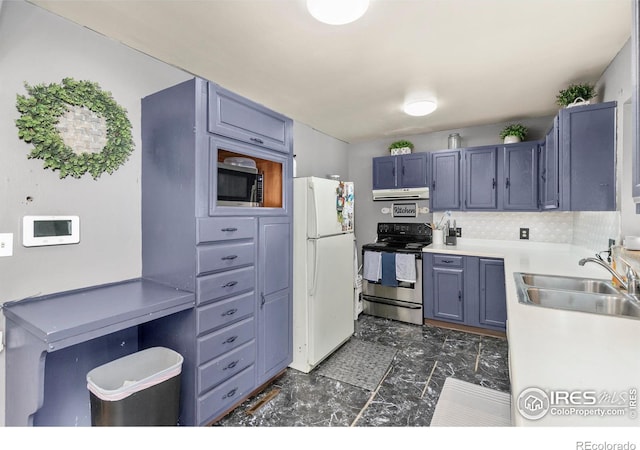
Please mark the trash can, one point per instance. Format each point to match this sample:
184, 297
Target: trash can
141, 389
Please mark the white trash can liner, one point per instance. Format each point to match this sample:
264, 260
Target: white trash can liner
122, 377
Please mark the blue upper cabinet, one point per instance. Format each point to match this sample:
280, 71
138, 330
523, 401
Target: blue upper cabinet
239, 118
548, 163
413, 170
480, 178
520, 180
445, 180
587, 157
385, 172
401, 171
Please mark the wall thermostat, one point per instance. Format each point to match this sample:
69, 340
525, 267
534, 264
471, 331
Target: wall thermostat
50, 230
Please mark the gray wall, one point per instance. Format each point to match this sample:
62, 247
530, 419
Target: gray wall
360, 155
39, 47
318, 154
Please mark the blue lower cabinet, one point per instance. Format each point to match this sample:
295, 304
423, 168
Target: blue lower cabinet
466, 290
493, 300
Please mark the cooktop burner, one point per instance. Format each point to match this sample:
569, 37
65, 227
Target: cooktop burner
401, 237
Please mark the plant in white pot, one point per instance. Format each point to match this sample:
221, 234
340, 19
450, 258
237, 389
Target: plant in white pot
576, 94
401, 147
513, 133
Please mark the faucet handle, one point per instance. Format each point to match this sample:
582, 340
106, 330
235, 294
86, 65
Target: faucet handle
632, 281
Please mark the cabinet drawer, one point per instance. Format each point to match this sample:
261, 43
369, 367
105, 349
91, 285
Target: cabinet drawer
224, 312
226, 366
225, 284
225, 228
447, 260
211, 258
239, 118
217, 343
226, 395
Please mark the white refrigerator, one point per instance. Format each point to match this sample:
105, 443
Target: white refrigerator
323, 269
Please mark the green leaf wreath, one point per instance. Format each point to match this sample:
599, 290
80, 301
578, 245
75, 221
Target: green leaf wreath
41, 111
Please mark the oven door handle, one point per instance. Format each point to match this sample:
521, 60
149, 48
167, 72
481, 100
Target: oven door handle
400, 303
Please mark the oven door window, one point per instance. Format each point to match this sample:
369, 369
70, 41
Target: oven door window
235, 186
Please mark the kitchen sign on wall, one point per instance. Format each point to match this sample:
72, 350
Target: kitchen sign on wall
404, 209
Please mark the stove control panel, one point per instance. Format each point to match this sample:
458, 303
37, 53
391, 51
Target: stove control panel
403, 229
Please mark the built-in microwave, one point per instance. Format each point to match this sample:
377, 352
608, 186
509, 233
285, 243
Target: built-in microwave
239, 185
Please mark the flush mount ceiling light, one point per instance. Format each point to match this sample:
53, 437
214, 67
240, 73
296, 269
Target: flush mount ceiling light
420, 107
337, 12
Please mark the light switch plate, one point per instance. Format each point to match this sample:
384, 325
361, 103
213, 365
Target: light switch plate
6, 244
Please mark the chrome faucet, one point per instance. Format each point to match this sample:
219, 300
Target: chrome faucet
631, 285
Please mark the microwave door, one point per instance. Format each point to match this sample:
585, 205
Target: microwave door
238, 188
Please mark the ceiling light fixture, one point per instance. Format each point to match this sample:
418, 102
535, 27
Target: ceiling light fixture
420, 107
337, 12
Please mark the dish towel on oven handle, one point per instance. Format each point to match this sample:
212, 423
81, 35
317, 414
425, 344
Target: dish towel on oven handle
389, 270
406, 267
372, 266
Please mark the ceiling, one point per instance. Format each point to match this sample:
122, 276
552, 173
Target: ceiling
484, 61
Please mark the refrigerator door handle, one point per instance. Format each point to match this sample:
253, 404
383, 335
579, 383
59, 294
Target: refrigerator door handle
316, 213
312, 291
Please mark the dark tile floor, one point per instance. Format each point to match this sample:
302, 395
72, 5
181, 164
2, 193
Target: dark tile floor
408, 393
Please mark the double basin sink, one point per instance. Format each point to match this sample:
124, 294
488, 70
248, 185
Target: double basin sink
576, 294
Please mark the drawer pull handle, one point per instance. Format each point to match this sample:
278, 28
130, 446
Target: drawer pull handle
231, 312
229, 229
259, 141
230, 284
231, 393
232, 364
447, 261
230, 340
229, 258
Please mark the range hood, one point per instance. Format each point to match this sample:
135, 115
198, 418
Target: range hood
421, 193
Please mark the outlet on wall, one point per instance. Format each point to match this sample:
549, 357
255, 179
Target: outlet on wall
459, 232
6, 244
524, 233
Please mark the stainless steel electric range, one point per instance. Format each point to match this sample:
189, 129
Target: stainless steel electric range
401, 300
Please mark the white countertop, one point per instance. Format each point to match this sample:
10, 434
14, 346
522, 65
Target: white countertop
556, 350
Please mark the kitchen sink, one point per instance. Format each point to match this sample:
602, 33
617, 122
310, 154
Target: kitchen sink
576, 294
611, 305
570, 283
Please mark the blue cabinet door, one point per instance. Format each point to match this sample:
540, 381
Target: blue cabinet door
480, 178
239, 118
588, 146
413, 170
493, 300
385, 172
275, 332
548, 170
520, 184
448, 298
445, 180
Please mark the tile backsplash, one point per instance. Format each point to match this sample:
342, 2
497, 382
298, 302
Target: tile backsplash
594, 229
554, 227
586, 229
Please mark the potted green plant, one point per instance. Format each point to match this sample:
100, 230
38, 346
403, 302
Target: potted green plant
513, 133
576, 94
401, 147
